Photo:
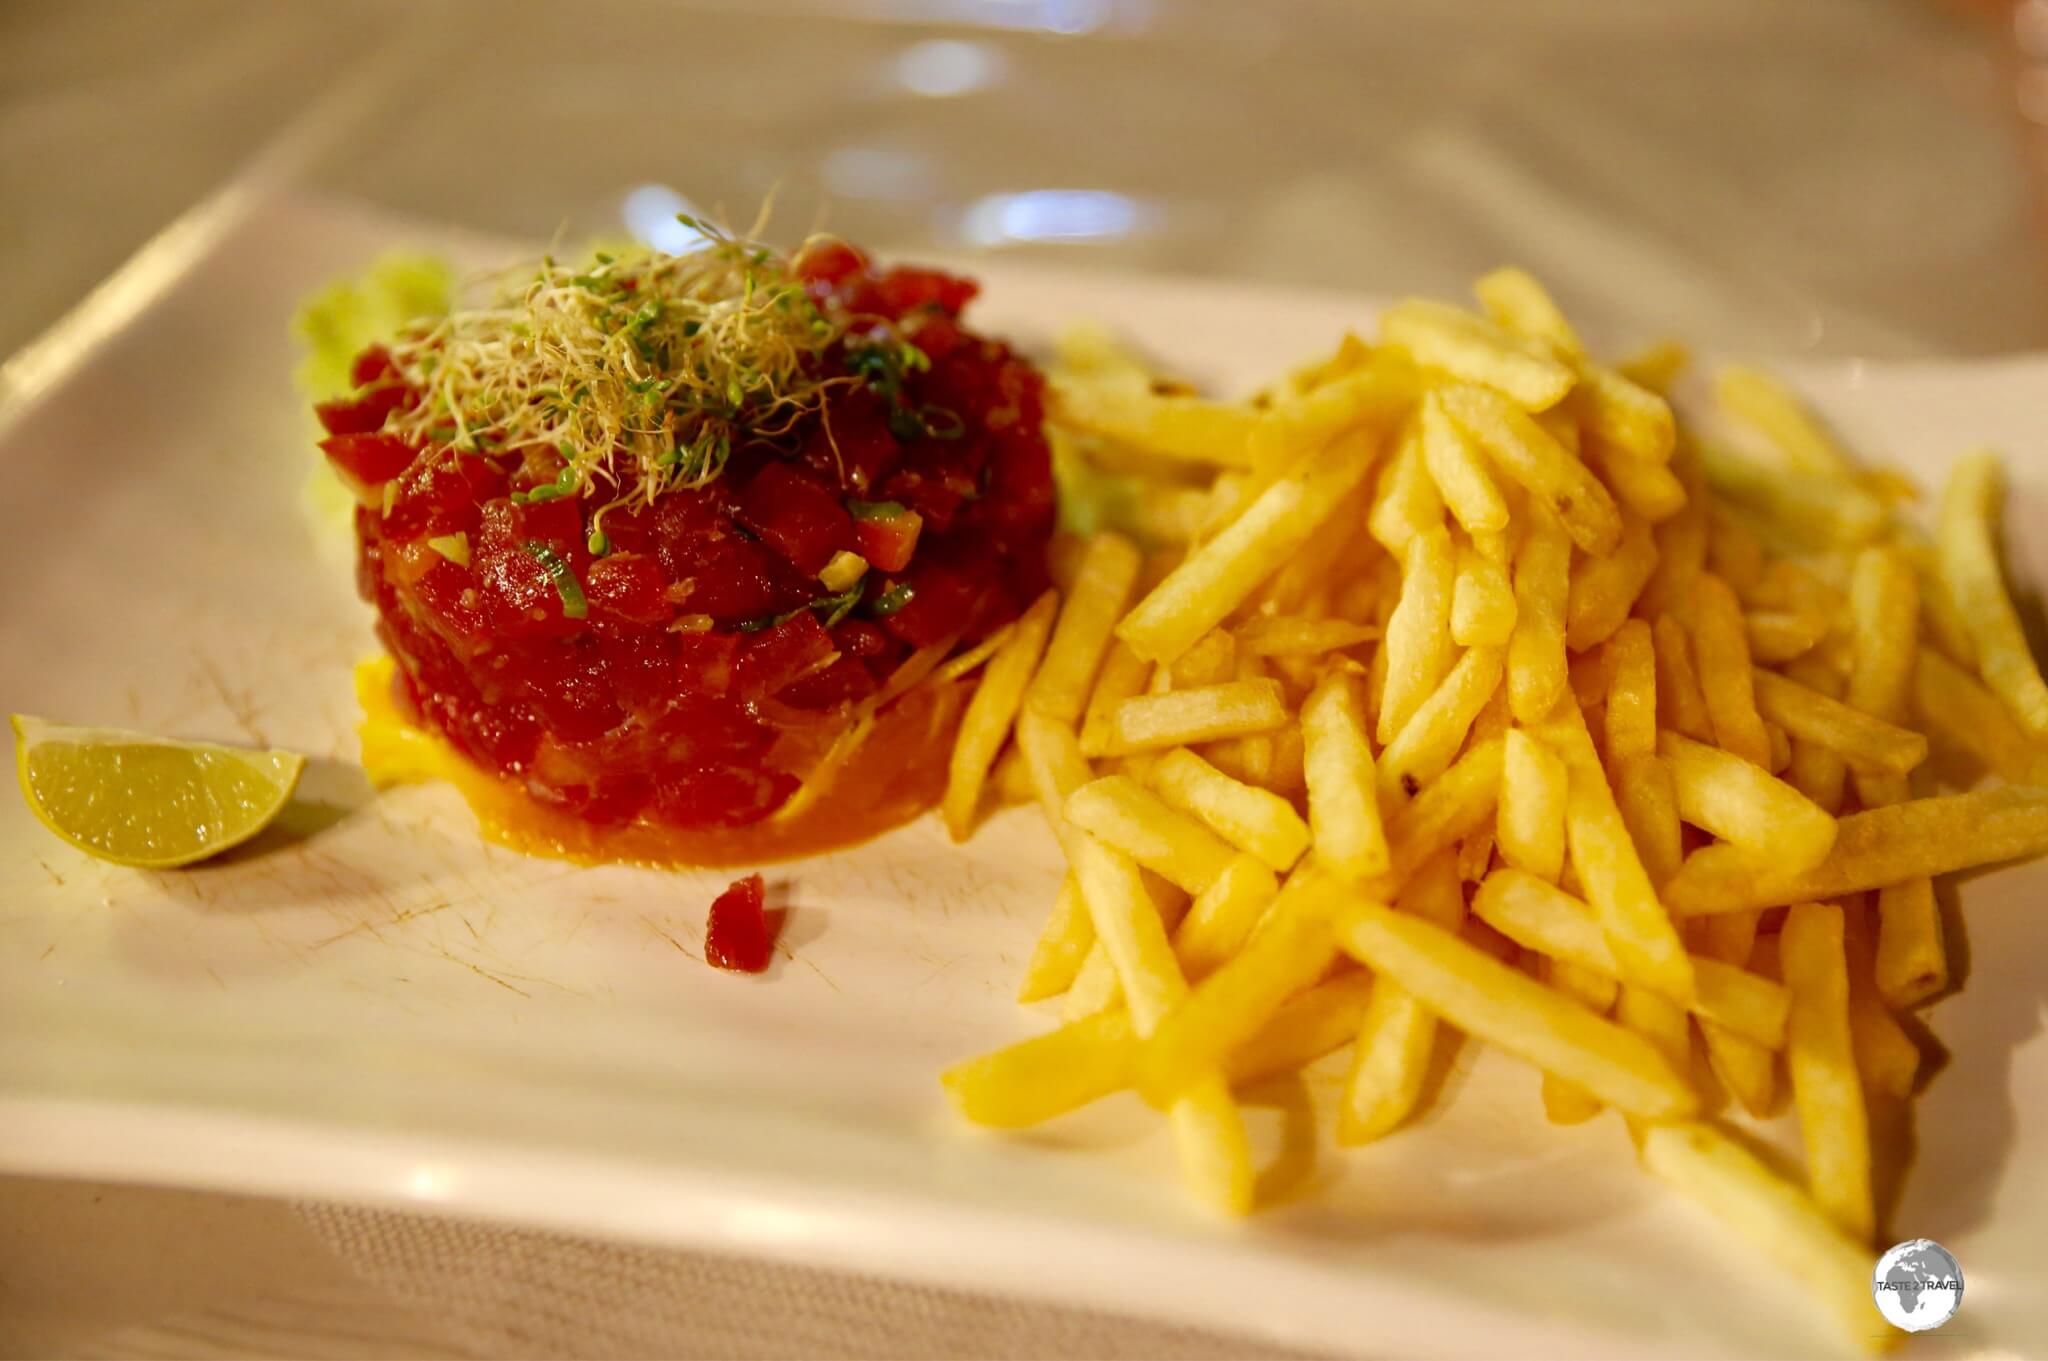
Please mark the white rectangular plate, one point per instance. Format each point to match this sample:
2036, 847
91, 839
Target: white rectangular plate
386, 1010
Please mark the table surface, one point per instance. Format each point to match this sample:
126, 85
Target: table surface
1836, 177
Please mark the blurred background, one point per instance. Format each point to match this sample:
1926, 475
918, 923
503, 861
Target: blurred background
1842, 177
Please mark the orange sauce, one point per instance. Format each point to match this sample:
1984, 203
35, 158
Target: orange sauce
895, 775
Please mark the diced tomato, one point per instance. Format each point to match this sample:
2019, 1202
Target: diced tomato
372, 460
828, 261
738, 934
573, 694
797, 517
705, 661
521, 599
441, 494
842, 682
373, 365
734, 580
906, 288
860, 638
776, 656
944, 599
888, 541
362, 415
629, 587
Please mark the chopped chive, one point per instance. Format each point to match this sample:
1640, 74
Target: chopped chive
574, 606
893, 599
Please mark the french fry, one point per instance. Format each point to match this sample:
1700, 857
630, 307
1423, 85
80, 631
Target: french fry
1823, 508
1204, 714
1536, 660
1506, 1008
1645, 943
1729, 1183
1124, 675
1530, 825
1887, 1059
1761, 402
1220, 574
1546, 919
1681, 547
1208, 1131
1631, 693
1061, 946
1623, 415
1720, 650
1866, 743
1650, 490
1052, 757
1564, 1102
1034, 1080
1294, 636
1781, 748
1343, 807
1397, 1034
1531, 457
1733, 552
1039, 1079
1210, 660
1941, 620
1965, 715
1681, 703
1423, 749
1418, 641
1741, 803
1648, 800
1922, 837
1222, 916
1482, 601
1307, 1026
1911, 962
1290, 951
1405, 501
1094, 989
1777, 636
1374, 395
1747, 1069
1968, 546
1101, 589
1123, 814
1516, 302
1815, 771
1252, 819
986, 724
1822, 1063
1445, 338
1657, 366
1176, 427
1604, 589
1459, 470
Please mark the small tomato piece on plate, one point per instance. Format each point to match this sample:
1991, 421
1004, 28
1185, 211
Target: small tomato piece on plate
738, 935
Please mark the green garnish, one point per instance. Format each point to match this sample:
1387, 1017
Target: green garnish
893, 599
644, 370
837, 607
546, 491
574, 606
599, 543
766, 621
875, 510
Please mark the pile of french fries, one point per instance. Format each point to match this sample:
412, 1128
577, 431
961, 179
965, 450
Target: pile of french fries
1451, 685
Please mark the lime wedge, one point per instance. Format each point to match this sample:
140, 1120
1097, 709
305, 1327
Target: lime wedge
148, 801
